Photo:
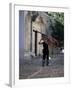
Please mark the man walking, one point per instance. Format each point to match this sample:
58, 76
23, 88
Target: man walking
45, 51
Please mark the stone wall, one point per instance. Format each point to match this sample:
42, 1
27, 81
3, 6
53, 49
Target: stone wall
42, 23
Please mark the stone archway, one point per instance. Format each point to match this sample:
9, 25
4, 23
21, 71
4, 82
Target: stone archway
41, 23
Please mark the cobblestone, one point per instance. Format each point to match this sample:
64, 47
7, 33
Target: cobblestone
32, 68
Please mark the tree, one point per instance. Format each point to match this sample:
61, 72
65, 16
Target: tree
58, 28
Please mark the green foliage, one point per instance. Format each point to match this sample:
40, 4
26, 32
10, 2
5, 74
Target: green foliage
58, 28
58, 33
58, 16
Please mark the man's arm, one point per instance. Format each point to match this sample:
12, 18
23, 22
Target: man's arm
41, 42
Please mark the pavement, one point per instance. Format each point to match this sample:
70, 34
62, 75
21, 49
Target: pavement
32, 67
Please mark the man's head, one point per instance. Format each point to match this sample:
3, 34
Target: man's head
41, 40
45, 38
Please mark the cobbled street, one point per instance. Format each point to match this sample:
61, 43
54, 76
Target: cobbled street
32, 67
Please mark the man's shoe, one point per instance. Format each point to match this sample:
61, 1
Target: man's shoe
47, 63
43, 64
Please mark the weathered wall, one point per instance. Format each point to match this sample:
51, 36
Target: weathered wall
42, 23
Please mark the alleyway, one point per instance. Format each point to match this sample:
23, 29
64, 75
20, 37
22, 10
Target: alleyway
32, 67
